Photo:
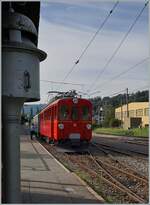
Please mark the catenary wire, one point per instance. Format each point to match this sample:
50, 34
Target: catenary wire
120, 74
116, 93
143, 87
56, 82
91, 40
118, 47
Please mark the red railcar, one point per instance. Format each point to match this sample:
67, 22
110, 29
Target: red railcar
66, 118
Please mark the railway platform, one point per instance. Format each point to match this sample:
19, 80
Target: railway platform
45, 180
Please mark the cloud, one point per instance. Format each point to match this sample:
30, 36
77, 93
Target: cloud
64, 43
90, 14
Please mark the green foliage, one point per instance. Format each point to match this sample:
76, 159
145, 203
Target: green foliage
37, 110
141, 132
24, 118
115, 123
97, 101
94, 126
109, 113
140, 96
136, 132
129, 133
31, 112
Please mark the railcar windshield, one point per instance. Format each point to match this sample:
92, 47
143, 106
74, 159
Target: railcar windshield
74, 113
85, 113
64, 112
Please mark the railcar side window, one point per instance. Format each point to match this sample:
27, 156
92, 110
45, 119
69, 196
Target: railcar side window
85, 113
74, 113
64, 112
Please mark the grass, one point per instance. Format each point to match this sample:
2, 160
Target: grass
100, 187
135, 132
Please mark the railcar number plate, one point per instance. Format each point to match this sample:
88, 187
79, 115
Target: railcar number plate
74, 136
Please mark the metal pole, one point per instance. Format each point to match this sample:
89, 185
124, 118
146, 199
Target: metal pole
121, 115
98, 120
11, 149
127, 103
20, 83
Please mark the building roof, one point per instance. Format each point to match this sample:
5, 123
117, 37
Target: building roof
134, 105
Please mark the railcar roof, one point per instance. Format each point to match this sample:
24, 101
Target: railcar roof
58, 100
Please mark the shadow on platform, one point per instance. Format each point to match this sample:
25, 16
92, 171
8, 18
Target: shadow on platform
51, 199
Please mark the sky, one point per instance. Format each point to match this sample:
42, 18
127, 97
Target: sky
65, 29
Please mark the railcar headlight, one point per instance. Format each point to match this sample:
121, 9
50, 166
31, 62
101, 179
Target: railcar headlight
61, 126
75, 100
88, 126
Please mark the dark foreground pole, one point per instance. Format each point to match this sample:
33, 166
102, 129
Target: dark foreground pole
11, 149
20, 83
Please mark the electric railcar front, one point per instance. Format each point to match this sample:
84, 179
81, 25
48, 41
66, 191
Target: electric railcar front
74, 119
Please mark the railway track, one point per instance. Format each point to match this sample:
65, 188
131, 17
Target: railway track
126, 181
117, 164
123, 183
98, 171
114, 149
142, 143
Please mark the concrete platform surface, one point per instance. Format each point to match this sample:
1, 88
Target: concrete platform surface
44, 180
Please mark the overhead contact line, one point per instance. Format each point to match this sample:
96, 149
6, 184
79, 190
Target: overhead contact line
91, 40
122, 73
120, 44
66, 83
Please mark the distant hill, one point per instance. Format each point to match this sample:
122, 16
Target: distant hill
32, 109
115, 101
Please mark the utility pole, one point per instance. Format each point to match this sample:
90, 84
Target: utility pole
20, 83
121, 114
127, 101
98, 120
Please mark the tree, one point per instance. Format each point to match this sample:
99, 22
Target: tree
109, 114
110, 103
37, 110
31, 113
115, 123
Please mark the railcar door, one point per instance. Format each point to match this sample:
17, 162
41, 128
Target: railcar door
63, 121
75, 128
86, 121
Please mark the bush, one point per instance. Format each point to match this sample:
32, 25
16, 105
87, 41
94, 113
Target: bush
94, 126
115, 123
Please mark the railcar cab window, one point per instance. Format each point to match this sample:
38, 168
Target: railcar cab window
74, 113
64, 112
85, 113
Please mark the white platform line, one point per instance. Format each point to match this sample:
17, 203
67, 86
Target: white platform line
55, 158
89, 188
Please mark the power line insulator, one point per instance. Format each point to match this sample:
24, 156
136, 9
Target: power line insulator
77, 62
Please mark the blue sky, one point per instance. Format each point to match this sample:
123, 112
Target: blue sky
91, 14
67, 26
